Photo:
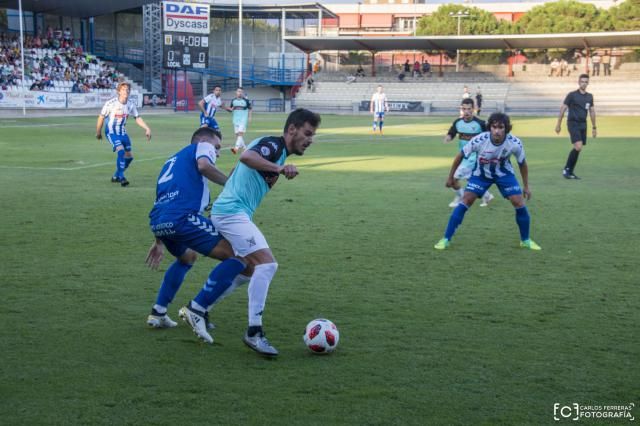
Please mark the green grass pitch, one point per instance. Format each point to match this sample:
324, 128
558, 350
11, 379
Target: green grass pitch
483, 333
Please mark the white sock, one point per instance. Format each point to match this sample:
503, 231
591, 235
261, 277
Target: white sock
460, 192
160, 309
258, 289
242, 145
237, 281
197, 306
486, 196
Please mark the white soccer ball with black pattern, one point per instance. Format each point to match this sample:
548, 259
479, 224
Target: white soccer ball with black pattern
321, 336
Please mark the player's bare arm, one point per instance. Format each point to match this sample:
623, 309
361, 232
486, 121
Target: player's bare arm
99, 127
147, 131
451, 182
592, 114
255, 161
211, 172
201, 106
563, 109
524, 172
447, 138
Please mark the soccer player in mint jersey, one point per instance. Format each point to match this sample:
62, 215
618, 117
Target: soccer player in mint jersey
579, 103
240, 108
254, 175
378, 106
116, 111
493, 166
178, 223
466, 127
209, 105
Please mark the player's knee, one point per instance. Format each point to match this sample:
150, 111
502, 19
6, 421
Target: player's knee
189, 257
268, 270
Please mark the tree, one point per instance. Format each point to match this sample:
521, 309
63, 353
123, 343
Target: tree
564, 16
441, 23
626, 16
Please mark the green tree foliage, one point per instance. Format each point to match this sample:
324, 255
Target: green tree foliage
564, 16
626, 16
441, 23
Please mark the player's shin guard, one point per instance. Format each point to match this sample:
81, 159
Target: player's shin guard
120, 163
524, 222
171, 283
127, 162
455, 220
258, 289
219, 281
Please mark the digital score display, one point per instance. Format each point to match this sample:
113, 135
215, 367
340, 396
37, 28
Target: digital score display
184, 50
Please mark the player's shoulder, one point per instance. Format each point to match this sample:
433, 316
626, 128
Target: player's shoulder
481, 138
480, 121
514, 140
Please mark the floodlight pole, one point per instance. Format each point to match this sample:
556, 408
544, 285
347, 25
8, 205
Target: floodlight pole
240, 43
459, 14
24, 100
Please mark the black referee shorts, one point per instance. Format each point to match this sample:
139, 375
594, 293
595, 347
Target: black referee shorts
577, 132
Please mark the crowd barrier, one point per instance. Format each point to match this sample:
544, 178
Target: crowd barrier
57, 100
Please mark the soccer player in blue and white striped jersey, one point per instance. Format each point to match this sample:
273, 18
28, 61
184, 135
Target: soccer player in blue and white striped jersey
209, 105
115, 112
378, 106
493, 166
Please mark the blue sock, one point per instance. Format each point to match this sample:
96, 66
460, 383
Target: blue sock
455, 220
219, 280
120, 164
381, 125
524, 222
171, 283
127, 162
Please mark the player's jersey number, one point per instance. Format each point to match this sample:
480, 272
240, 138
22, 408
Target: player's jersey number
167, 175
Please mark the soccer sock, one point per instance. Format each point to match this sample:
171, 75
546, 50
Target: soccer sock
127, 162
120, 163
572, 159
375, 125
381, 122
237, 281
258, 289
524, 222
460, 192
171, 283
219, 280
455, 220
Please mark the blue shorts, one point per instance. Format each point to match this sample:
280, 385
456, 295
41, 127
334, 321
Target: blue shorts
119, 140
210, 122
508, 185
178, 234
378, 115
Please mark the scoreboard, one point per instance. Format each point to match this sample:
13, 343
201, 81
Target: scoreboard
185, 50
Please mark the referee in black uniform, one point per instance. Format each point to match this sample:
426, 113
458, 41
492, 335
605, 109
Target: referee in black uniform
578, 103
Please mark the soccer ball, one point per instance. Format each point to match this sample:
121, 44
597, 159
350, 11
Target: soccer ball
321, 336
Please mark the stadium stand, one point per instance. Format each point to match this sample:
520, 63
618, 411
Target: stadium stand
55, 65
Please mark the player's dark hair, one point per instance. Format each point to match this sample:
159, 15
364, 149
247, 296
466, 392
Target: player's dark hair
301, 116
216, 86
468, 101
205, 134
584, 76
499, 117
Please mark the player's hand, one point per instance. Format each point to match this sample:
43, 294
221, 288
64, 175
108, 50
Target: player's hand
527, 193
451, 183
289, 171
558, 129
99, 136
594, 132
155, 256
147, 133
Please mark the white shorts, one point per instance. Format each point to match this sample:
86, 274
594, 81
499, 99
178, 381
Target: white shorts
243, 235
239, 128
462, 172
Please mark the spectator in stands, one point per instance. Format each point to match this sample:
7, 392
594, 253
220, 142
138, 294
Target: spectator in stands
316, 67
311, 87
351, 79
416, 69
606, 63
564, 67
478, 101
76, 88
401, 76
360, 71
555, 68
465, 93
37, 85
426, 67
67, 34
407, 67
595, 60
